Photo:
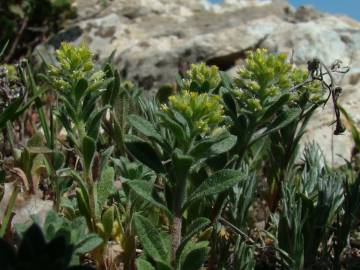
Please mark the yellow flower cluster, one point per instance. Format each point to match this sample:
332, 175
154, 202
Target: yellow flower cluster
267, 75
200, 73
74, 63
203, 112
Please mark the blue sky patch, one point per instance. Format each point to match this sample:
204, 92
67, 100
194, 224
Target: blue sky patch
350, 8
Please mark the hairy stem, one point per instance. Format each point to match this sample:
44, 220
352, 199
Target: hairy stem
175, 237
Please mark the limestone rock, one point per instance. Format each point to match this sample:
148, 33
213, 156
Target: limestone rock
25, 206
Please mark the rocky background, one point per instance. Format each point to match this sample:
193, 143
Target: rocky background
155, 39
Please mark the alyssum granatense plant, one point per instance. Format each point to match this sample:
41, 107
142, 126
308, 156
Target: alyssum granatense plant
187, 131
262, 104
79, 89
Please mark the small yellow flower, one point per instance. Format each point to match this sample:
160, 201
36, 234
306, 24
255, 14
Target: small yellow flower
223, 233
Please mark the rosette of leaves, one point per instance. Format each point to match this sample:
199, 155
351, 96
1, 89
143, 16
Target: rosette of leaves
36, 253
310, 204
290, 226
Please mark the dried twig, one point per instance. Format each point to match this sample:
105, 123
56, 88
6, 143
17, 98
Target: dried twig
315, 69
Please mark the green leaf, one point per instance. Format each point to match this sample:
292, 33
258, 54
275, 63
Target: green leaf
81, 183
80, 89
143, 189
144, 127
107, 220
213, 146
69, 108
217, 183
174, 127
3, 49
226, 79
179, 81
275, 106
93, 122
182, 164
194, 255
141, 264
228, 102
150, 238
105, 185
89, 103
9, 112
284, 119
58, 159
201, 148
223, 145
145, 153
194, 87
89, 243
205, 87
88, 151
194, 228
83, 205
114, 88
105, 157
161, 265
13, 110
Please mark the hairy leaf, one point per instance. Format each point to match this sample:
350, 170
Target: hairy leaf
141, 264
144, 127
143, 189
195, 227
88, 149
145, 153
218, 182
150, 238
105, 185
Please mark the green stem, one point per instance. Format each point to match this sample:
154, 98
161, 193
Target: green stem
11, 138
175, 231
176, 226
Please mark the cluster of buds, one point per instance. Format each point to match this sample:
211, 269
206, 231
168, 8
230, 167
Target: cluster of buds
74, 63
201, 73
203, 112
267, 75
